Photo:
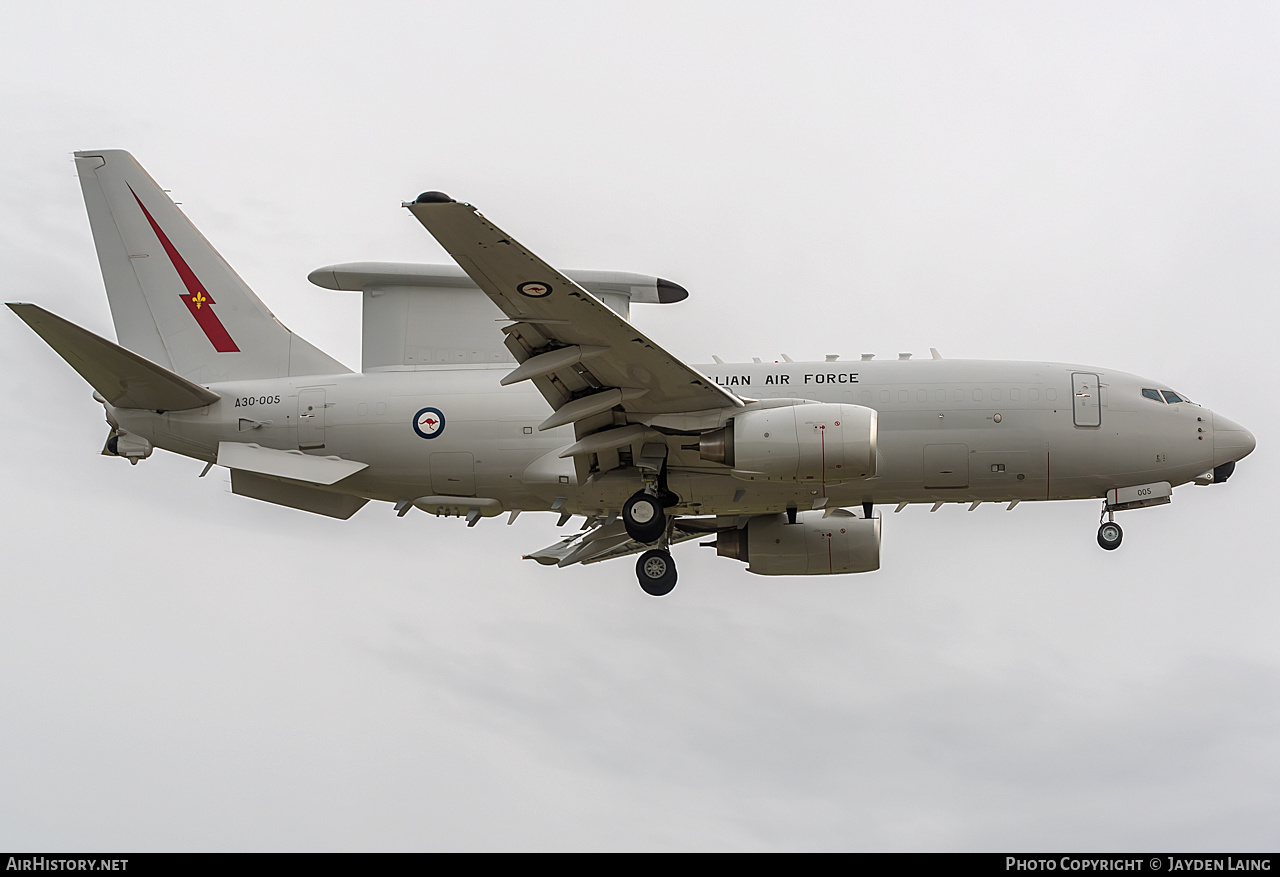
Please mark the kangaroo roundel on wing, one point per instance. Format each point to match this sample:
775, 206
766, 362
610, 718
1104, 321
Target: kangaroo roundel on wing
534, 289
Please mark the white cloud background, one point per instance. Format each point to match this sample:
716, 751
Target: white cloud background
185, 669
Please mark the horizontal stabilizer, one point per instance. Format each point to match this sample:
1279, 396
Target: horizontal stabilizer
286, 464
124, 378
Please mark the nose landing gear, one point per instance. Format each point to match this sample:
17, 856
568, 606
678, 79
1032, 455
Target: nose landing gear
1109, 533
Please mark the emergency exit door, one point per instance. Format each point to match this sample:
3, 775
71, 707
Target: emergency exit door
311, 419
1087, 400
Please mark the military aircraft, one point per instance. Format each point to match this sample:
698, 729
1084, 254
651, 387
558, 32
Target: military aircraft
504, 385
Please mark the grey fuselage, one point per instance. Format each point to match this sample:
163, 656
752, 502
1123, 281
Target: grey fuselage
949, 431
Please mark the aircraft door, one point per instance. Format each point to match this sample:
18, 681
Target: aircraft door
310, 419
453, 474
1087, 408
946, 465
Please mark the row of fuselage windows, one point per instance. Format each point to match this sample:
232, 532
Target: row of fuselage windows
1164, 396
995, 394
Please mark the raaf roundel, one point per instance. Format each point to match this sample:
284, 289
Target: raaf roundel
429, 423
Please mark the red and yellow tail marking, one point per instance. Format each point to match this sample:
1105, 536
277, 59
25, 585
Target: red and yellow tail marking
197, 299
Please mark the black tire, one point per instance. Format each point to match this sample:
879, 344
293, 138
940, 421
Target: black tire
643, 518
656, 571
1110, 536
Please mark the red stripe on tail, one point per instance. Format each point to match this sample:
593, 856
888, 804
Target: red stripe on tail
197, 299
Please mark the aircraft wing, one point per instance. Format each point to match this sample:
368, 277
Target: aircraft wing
584, 358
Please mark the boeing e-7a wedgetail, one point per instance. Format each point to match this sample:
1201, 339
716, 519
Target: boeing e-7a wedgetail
505, 385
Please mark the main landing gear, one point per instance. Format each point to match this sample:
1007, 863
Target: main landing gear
656, 571
643, 517
647, 523
1109, 533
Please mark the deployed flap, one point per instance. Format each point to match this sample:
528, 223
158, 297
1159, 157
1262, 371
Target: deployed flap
552, 311
295, 496
286, 464
124, 378
630, 546
601, 542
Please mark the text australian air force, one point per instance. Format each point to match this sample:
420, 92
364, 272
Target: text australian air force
785, 378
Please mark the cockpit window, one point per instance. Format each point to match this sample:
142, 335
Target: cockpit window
1171, 397
1152, 394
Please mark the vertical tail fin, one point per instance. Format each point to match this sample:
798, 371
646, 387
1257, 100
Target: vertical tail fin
173, 298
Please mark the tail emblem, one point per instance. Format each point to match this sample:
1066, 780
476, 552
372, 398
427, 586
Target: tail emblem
197, 296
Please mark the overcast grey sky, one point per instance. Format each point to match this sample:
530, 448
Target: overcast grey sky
181, 668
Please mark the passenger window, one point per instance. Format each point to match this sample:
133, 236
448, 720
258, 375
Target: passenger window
977, 395
902, 395
1033, 394
939, 395
1014, 394
995, 394
1171, 397
1153, 394
884, 395
922, 395
866, 397
959, 395
1051, 394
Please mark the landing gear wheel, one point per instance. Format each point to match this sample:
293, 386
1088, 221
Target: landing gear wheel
1109, 535
643, 518
657, 572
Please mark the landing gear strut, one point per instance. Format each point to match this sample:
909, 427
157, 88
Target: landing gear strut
1109, 534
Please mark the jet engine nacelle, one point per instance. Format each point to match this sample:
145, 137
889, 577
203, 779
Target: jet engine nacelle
812, 546
801, 443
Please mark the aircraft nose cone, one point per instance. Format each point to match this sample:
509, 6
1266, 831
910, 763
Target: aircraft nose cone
1231, 441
